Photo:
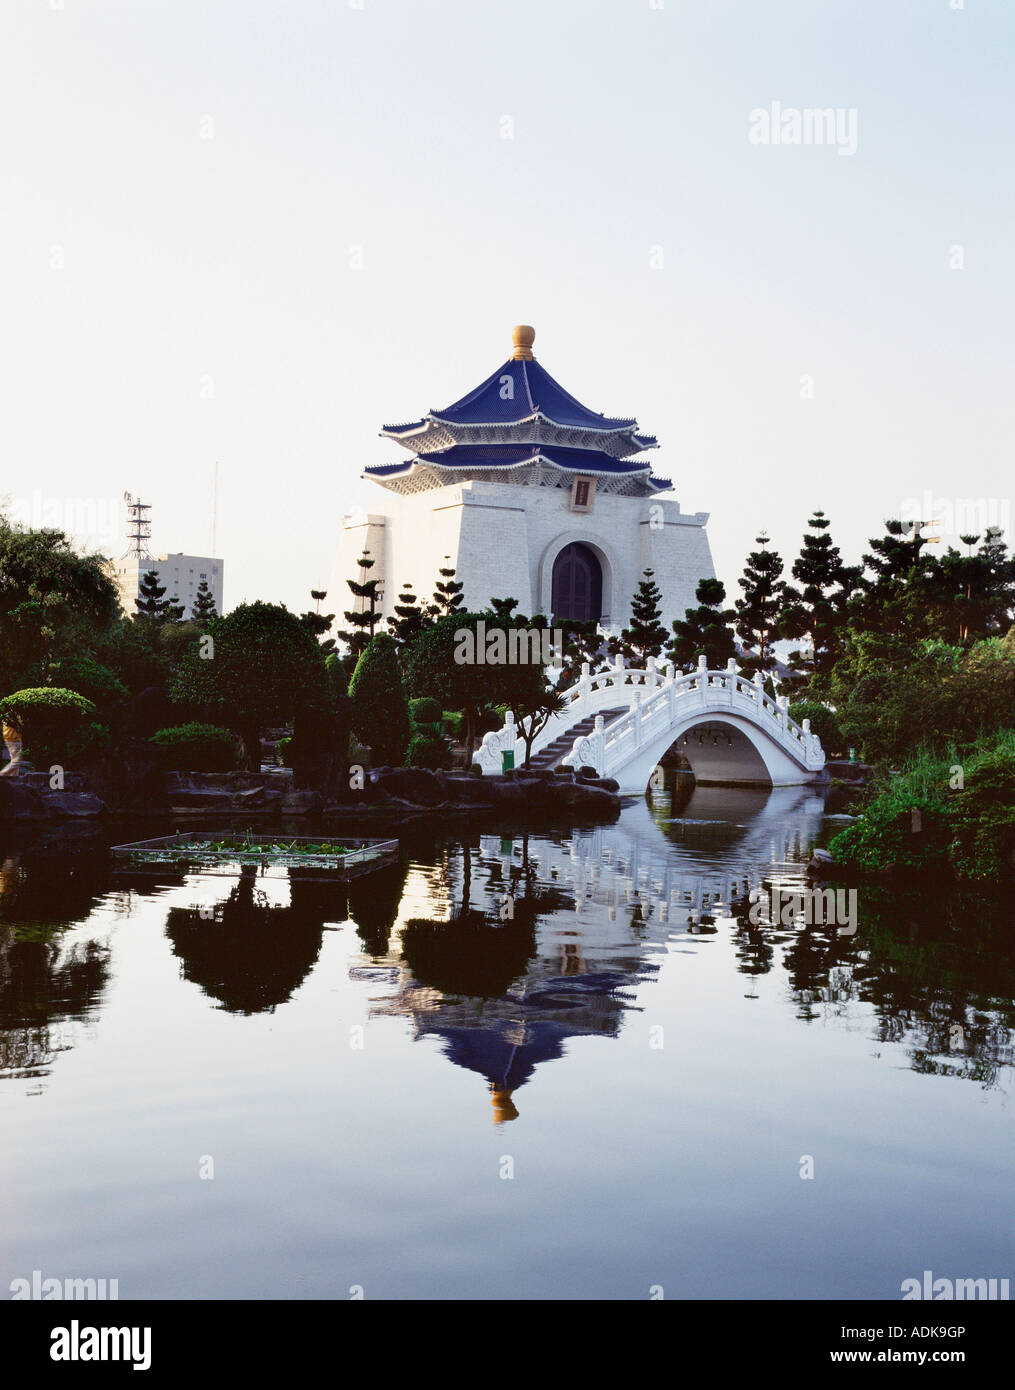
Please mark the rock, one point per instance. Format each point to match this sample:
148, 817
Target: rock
821, 864
73, 804
18, 802
302, 803
129, 777
206, 799
536, 792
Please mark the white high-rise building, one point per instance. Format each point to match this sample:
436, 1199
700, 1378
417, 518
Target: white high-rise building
179, 574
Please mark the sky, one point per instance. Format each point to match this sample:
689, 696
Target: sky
250, 234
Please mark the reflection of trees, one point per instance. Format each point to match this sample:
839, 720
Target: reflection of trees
43, 984
374, 900
49, 884
252, 955
940, 974
754, 948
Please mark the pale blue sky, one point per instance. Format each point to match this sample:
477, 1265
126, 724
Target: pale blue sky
196, 267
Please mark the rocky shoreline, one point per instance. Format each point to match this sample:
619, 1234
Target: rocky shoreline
387, 792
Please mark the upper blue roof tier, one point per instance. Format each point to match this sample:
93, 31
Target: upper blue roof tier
516, 391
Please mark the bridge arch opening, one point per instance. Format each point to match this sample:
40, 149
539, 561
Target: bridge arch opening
721, 754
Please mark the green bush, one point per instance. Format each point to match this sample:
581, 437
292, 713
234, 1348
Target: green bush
823, 723
91, 679
453, 721
54, 723
984, 817
969, 829
427, 750
338, 680
380, 714
282, 751
197, 748
425, 711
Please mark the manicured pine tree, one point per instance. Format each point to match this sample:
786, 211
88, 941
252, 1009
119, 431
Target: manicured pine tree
646, 635
503, 610
817, 609
380, 711
361, 632
706, 630
319, 623
583, 642
978, 588
447, 598
203, 609
759, 609
175, 612
409, 620
998, 592
901, 587
150, 603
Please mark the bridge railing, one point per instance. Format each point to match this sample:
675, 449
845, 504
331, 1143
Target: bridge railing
657, 698
714, 691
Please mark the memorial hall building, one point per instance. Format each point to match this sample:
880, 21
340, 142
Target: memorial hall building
526, 494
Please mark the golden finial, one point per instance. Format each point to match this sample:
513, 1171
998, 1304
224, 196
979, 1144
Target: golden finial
523, 337
503, 1106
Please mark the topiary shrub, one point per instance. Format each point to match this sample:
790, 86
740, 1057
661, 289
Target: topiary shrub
425, 711
282, 751
90, 678
823, 723
197, 748
380, 714
53, 723
427, 750
338, 680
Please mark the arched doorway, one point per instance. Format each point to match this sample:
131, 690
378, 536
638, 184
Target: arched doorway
577, 590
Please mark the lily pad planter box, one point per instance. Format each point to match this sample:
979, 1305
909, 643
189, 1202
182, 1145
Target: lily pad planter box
345, 860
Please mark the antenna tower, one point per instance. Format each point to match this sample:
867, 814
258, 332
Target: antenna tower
139, 528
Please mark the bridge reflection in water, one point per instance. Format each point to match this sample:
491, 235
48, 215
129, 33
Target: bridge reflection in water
593, 914
590, 919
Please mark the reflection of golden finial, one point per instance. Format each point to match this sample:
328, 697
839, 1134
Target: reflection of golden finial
523, 337
503, 1109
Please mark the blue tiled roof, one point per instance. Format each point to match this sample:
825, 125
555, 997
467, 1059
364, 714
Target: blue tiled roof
532, 388
475, 457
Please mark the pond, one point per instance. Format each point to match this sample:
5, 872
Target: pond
570, 1064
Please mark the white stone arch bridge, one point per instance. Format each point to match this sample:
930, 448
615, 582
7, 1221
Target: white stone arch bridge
623, 721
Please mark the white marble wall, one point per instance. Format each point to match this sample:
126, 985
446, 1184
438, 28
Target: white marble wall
502, 539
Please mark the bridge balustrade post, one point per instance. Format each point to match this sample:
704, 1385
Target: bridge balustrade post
782, 701
636, 710
650, 672
617, 674
585, 686
731, 673
703, 677
599, 744
759, 692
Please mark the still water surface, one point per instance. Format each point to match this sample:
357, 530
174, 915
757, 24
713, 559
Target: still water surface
614, 1090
